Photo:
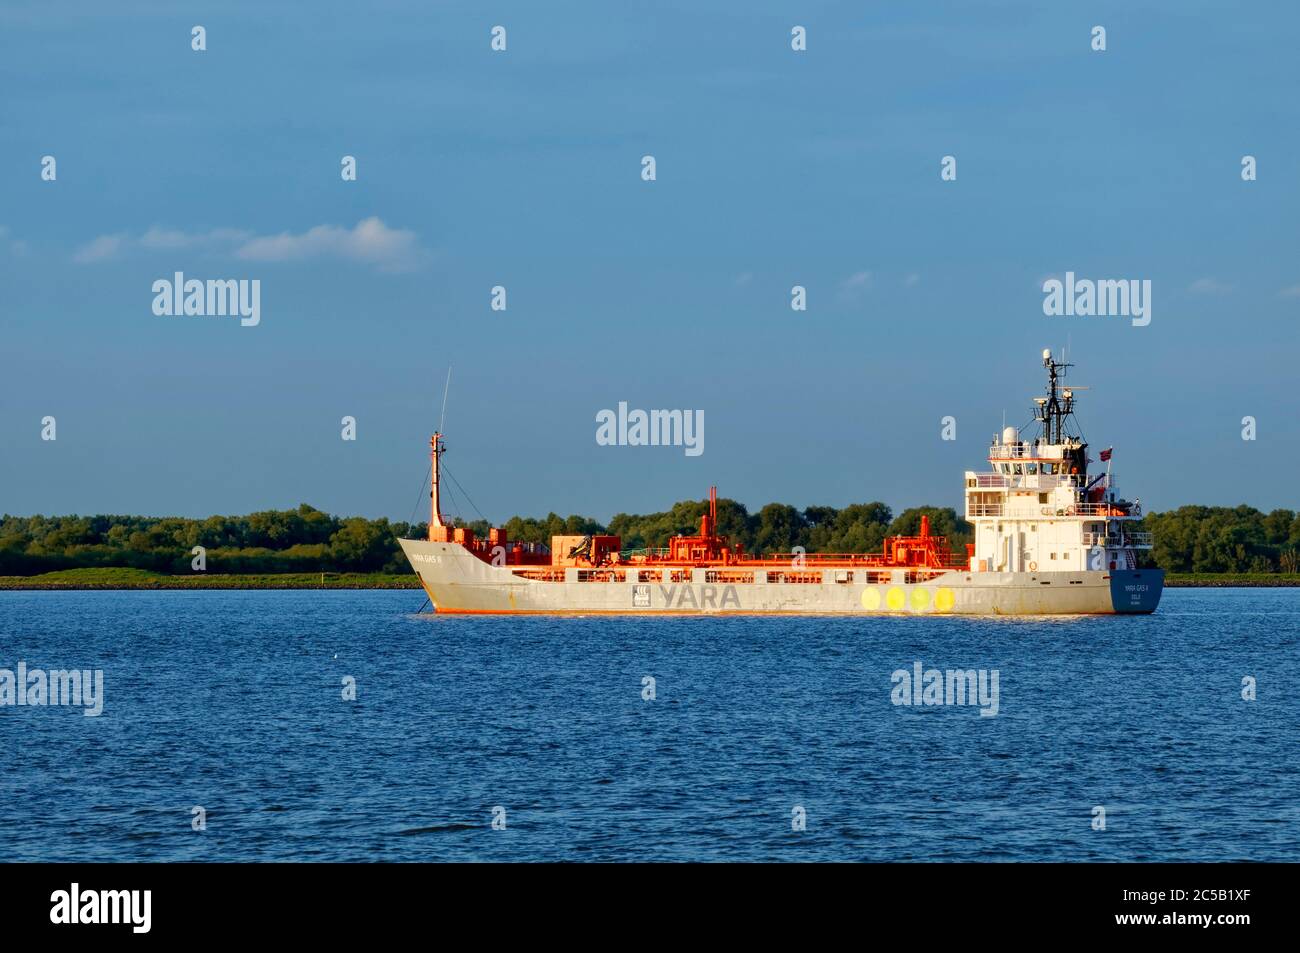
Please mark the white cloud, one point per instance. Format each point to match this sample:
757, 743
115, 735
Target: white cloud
166, 238
1208, 286
1292, 292
370, 241
852, 287
101, 249
15, 246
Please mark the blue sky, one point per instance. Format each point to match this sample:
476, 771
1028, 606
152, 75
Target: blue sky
522, 169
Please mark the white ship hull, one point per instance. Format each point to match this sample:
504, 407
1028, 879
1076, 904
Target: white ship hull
457, 581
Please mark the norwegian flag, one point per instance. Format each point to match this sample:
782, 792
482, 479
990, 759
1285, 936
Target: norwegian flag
1105, 454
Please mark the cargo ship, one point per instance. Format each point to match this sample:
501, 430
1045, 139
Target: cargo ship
1049, 539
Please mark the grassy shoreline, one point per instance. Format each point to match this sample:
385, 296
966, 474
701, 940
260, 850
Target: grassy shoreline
143, 579
1264, 580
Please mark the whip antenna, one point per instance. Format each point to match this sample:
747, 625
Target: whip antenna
445, 391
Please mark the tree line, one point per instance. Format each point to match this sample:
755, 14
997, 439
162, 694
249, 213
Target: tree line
1225, 539
1188, 539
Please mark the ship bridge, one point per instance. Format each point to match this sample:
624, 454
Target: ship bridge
1037, 509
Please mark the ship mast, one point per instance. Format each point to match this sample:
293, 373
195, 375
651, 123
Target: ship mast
438, 530
436, 450
1058, 405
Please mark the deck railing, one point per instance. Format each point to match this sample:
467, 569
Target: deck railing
1017, 451
1026, 481
1106, 510
1127, 541
792, 561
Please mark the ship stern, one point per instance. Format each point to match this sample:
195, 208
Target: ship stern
1136, 591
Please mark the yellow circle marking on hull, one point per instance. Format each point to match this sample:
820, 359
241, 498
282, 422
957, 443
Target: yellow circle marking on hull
871, 599
944, 599
895, 598
920, 599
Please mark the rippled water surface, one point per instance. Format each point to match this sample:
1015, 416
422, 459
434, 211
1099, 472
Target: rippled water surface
232, 701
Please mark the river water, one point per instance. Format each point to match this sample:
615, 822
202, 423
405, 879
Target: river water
234, 703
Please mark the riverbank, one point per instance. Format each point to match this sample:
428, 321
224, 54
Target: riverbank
143, 579
1267, 580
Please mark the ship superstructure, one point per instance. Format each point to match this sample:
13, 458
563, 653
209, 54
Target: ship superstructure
1039, 508
1049, 539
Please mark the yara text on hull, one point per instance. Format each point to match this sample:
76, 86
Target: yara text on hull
1050, 539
